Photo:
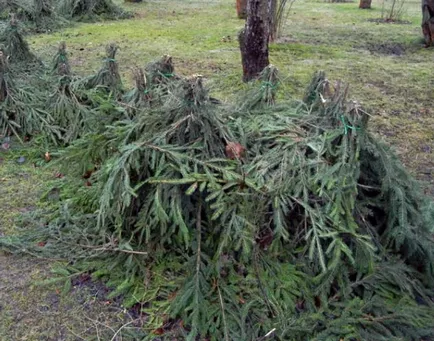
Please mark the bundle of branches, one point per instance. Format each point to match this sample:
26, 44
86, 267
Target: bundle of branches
16, 47
89, 10
310, 229
36, 15
152, 86
21, 8
265, 95
161, 71
107, 78
43, 16
21, 109
65, 104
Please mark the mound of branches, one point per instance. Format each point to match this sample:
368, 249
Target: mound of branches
107, 78
263, 95
44, 17
290, 222
66, 104
21, 107
36, 15
90, 10
21, 8
151, 85
16, 47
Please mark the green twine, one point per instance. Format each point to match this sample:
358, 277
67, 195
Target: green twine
146, 91
110, 60
268, 85
347, 126
167, 75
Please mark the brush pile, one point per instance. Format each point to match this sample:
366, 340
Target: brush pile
90, 10
107, 78
21, 104
48, 15
261, 220
15, 46
67, 103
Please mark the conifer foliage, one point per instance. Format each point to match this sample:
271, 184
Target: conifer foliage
85, 10
108, 77
21, 106
67, 103
261, 220
15, 45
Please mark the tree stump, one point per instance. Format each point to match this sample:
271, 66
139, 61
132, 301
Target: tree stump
242, 9
365, 4
428, 21
253, 39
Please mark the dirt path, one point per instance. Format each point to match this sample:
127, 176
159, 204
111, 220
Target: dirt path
33, 312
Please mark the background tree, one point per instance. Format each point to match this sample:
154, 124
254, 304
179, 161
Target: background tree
242, 9
365, 4
428, 21
254, 39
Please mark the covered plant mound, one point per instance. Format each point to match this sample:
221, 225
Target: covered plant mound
35, 15
22, 8
289, 223
151, 85
43, 16
107, 78
21, 106
89, 10
16, 46
66, 104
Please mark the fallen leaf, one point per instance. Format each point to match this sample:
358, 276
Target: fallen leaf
158, 331
235, 150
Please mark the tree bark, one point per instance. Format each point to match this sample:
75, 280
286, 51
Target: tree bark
365, 4
242, 9
254, 39
272, 13
428, 21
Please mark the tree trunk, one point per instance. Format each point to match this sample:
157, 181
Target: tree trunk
272, 14
365, 4
254, 39
242, 9
428, 21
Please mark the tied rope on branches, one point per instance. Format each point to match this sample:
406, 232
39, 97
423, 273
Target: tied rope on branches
67, 104
16, 47
108, 78
151, 85
265, 95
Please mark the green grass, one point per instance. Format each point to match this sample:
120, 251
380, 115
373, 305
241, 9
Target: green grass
387, 68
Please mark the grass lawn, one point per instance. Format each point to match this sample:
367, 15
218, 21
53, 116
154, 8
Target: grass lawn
387, 68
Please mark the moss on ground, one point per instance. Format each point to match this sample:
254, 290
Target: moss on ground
388, 69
